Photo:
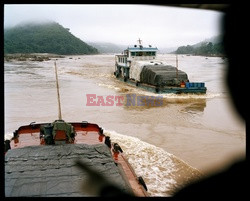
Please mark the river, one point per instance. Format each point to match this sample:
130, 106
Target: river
185, 137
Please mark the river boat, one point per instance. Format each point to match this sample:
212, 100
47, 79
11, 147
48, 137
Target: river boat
138, 66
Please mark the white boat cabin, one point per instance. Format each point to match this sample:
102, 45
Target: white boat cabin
136, 53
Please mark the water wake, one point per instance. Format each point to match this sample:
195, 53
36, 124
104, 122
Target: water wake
162, 172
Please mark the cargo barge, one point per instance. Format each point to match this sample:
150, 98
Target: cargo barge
139, 66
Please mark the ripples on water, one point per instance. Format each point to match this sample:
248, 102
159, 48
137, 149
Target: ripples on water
198, 129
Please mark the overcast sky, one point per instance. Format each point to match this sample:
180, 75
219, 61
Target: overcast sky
159, 26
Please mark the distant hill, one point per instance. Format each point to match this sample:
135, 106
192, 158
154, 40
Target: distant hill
166, 50
49, 37
214, 40
108, 47
208, 47
115, 48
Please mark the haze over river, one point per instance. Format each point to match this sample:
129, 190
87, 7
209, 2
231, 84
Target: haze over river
167, 145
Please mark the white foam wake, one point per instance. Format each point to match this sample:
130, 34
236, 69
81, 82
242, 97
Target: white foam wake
155, 165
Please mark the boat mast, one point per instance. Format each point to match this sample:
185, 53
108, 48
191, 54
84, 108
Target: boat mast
58, 95
176, 66
139, 41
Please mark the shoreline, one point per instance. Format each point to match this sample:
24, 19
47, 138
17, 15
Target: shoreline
31, 56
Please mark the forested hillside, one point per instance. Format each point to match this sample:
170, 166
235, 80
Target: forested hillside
204, 49
48, 37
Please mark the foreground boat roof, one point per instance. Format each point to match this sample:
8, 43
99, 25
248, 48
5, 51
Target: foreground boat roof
46, 171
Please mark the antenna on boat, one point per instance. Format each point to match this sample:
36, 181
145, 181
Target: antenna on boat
176, 66
58, 95
139, 41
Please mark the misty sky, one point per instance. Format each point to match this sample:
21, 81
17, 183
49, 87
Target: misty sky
159, 26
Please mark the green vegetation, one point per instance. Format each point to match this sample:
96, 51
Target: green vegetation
48, 37
203, 49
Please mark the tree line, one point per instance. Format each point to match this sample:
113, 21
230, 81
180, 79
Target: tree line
205, 49
44, 38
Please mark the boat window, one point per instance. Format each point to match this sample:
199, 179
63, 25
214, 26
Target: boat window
132, 53
145, 54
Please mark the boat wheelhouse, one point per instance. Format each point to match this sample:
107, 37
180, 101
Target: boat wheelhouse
135, 53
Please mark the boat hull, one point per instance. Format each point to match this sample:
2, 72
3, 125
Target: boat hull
165, 89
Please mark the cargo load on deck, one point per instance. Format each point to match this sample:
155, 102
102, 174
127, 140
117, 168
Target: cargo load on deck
161, 75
